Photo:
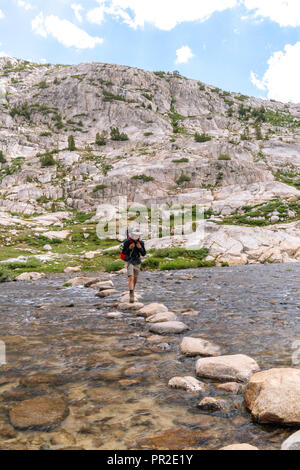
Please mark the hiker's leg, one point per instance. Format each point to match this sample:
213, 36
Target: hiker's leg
131, 283
136, 273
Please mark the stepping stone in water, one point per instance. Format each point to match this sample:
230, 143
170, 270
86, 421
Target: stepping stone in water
238, 368
161, 317
106, 293
152, 309
127, 306
170, 327
192, 347
212, 404
125, 298
190, 384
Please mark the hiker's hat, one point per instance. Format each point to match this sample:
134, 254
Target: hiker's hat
135, 233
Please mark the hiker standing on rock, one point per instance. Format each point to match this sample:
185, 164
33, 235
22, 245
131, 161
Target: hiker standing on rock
133, 250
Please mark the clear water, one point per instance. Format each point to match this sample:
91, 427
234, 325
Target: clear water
253, 310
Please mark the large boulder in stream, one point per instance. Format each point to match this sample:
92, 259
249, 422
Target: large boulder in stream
273, 396
39, 412
238, 368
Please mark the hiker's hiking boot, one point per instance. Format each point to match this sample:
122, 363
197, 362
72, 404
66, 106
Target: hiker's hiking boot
131, 297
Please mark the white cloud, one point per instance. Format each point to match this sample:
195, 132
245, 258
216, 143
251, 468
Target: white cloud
283, 12
77, 8
163, 14
25, 5
96, 15
64, 31
167, 14
282, 78
1, 15
184, 54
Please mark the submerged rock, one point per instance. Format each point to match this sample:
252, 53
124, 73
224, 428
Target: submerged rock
190, 384
238, 368
7, 431
170, 327
230, 387
39, 412
40, 379
198, 347
273, 396
212, 404
63, 439
113, 315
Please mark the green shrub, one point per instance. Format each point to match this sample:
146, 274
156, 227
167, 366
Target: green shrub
168, 252
45, 134
114, 266
108, 97
185, 264
100, 139
143, 178
47, 160
4, 274
181, 160
116, 135
224, 157
71, 143
43, 84
151, 263
31, 263
202, 137
99, 187
2, 157
22, 111
183, 178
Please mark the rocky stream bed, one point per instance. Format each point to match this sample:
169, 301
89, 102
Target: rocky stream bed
79, 377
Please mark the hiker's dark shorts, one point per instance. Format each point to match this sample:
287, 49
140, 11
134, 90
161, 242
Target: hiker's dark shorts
133, 270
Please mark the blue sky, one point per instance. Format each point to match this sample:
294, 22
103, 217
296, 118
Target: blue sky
248, 46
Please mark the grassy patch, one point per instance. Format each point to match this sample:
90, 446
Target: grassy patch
261, 214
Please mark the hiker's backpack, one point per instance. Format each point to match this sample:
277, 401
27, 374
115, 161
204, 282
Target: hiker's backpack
123, 257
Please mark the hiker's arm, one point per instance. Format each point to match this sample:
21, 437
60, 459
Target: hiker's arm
142, 250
